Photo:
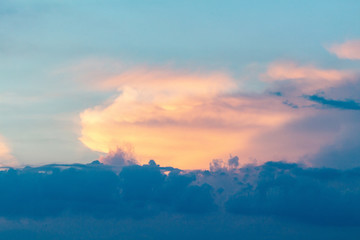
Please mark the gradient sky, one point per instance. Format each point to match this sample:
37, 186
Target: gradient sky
181, 82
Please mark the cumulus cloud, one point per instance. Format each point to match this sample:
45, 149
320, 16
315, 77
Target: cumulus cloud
96, 190
118, 158
177, 118
347, 50
319, 196
187, 119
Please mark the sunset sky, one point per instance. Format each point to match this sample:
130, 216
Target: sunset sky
189, 84
180, 82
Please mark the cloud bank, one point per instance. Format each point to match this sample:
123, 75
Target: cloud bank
320, 196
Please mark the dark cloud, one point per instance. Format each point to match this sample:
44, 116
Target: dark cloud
320, 196
292, 105
205, 204
118, 158
96, 190
312, 195
340, 104
233, 162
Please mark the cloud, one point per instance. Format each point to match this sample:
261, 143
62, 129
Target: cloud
170, 81
95, 190
347, 50
279, 71
6, 159
118, 158
187, 119
319, 196
344, 152
312, 195
305, 78
178, 118
346, 104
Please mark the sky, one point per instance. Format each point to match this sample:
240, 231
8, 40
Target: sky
189, 119
207, 79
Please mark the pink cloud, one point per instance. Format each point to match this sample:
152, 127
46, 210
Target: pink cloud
278, 71
187, 119
347, 50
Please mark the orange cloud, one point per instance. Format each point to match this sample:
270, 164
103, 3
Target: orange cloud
347, 50
6, 159
179, 119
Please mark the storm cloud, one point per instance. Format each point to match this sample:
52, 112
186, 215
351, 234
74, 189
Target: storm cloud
311, 195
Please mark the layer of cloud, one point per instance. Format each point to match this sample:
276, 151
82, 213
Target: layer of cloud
289, 191
96, 190
279, 71
321, 196
347, 50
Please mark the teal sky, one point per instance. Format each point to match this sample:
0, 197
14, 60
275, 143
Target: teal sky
50, 52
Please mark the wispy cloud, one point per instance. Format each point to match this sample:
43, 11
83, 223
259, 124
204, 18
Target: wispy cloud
305, 78
341, 104
279, 71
